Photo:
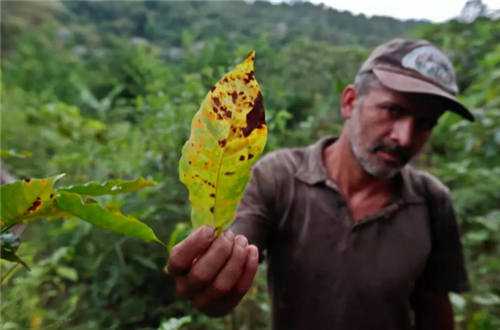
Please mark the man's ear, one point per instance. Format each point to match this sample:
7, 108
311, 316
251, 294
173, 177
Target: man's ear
347, 101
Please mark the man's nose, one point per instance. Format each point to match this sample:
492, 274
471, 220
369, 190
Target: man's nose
403, 131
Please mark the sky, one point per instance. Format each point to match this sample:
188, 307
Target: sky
433, 10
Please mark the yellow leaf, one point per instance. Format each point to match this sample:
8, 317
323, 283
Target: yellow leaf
228, 133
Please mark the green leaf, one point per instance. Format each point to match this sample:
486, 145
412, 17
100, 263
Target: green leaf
112, 187
228, 133
67, 273
487, 299
181, 231
97, 215
175, 323
13, 153
9, 243
26, 199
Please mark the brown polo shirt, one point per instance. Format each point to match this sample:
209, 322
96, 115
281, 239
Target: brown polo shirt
327, 272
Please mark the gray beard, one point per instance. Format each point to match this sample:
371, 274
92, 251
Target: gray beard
379, 171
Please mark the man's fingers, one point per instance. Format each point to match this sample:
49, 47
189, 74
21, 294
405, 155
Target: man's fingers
208, 266
183, 254
227, 277
252, 263
205, 301
233, 269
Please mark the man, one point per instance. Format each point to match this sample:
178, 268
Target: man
355, 238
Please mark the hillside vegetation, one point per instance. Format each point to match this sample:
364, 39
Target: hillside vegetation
107, 89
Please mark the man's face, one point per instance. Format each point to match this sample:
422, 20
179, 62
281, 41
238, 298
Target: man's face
388, 128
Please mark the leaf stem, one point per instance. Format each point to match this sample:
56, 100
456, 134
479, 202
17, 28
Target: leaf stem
6, 275
219, 169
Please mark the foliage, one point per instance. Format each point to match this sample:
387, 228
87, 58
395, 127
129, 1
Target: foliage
105, 90
172, 22
29, 199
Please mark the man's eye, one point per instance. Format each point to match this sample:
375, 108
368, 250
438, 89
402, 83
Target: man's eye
393, 111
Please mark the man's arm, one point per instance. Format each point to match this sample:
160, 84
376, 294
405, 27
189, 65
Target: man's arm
445, 268
433, 311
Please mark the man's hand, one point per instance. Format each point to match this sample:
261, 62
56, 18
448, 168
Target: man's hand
213, 273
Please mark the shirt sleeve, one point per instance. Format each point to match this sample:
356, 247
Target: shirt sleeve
445, 269
255, 211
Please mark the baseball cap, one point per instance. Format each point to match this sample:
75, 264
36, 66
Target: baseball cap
416, 66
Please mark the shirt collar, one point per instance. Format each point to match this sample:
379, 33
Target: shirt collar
410, 192
312, 171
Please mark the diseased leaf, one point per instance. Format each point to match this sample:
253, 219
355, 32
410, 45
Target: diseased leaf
97, 215
112, 187
26, 199
228, 133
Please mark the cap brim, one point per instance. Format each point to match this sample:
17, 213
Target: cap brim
407, 84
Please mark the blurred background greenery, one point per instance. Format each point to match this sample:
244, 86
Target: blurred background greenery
107, 89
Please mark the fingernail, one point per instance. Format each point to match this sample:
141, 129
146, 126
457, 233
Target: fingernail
228, 234
208, 231
254, 252
241, 241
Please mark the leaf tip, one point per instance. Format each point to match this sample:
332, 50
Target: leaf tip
251, 56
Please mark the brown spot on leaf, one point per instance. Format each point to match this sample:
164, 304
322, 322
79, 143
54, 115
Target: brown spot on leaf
256, 117
234, 96
208, 183
222, 143
36, 205
224, 113
212, 209
51, 195
27, 180
212, 89
229, 173
216, 101
250, 75
250, 156
212, 195
242, 158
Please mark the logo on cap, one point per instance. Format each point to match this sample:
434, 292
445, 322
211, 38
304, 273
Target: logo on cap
433, 64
